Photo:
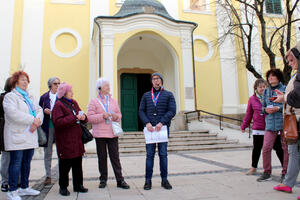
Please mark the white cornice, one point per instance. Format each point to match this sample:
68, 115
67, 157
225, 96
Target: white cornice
143, 21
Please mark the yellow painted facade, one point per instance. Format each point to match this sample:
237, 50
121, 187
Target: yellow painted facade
75, 70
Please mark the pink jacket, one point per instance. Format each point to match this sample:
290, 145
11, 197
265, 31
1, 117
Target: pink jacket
95, 116
254, 113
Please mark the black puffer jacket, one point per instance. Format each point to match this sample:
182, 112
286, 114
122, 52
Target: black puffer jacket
165, 108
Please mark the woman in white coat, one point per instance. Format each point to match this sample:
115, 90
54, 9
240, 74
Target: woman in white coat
23, 116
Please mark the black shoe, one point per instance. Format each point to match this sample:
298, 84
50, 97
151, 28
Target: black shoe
264, 177
102, 184
123, 184
4, 188
64, 192
148, 185
282, 178
81, 189
165, 184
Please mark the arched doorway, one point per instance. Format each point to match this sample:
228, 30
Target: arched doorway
141, 55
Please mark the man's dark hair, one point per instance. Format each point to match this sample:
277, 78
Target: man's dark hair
275, 72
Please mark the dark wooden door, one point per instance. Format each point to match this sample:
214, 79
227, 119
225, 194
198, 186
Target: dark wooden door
129, 102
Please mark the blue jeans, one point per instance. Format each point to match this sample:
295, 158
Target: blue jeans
163, 160
19, 165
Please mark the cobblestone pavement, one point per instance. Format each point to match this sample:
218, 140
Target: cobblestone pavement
194, 175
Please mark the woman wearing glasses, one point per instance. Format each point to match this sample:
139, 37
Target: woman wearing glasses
47, 102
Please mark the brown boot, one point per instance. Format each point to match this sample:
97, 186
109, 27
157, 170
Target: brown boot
47, 181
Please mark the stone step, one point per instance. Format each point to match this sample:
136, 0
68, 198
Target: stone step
179, 136
181, 143
171, 133
173, 139
189, 148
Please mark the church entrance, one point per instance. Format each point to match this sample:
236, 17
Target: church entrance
133, 86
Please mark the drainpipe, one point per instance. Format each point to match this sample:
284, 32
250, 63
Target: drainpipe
99, 46
194, 70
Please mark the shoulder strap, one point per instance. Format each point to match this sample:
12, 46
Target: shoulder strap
71, 109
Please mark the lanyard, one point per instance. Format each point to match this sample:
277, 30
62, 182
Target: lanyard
154, 99
294, 75
104, 105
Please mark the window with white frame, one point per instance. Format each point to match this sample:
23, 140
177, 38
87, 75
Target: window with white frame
273, 7
199, 5
196, 6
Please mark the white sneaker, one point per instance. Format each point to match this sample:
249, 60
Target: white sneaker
28, 191
13, 195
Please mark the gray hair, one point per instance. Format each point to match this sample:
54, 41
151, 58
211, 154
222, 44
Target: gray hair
51, 80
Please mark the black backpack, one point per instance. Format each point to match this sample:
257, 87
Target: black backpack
2, 122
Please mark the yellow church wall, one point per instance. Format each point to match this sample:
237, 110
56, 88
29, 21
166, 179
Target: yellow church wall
208, 73
73, 70
17, 37
174, 42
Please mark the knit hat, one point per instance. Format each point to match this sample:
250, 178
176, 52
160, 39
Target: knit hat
296, 51
158, 74
101, 81
63, 89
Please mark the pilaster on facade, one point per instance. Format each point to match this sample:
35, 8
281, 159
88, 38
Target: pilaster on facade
188, 74
230, 90
32, 38
7, 20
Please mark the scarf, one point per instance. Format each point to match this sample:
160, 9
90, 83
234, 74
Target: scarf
27, 100
260, 97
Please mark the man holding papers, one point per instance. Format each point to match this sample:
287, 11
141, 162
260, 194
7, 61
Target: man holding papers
156, 111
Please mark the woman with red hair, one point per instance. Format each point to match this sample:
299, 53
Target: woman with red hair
23, 116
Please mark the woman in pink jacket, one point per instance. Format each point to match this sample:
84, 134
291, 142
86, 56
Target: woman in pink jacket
258, 128
101, 112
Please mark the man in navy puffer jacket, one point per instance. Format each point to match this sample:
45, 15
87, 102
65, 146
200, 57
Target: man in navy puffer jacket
157, 108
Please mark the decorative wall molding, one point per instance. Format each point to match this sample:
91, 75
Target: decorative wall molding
63, 31
145, 21
74, 2
210, 48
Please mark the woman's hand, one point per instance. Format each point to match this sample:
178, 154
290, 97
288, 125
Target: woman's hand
106, 115
272, 110
32, 128
81, 117
114, 116
37, 122
280, 97
243, 131
47, 111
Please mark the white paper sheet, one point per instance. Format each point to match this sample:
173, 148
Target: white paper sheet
156, 137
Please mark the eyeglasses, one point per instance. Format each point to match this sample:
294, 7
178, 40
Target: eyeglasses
56, 83
155, 79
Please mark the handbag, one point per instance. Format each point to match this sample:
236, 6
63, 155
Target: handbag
117, 129
86, 134
42, 138
290, 128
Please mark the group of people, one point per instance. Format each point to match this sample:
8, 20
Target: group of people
60, 117
265, 108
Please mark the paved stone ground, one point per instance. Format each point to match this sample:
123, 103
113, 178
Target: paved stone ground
194, 175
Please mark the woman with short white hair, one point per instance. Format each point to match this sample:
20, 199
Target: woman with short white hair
102, 110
